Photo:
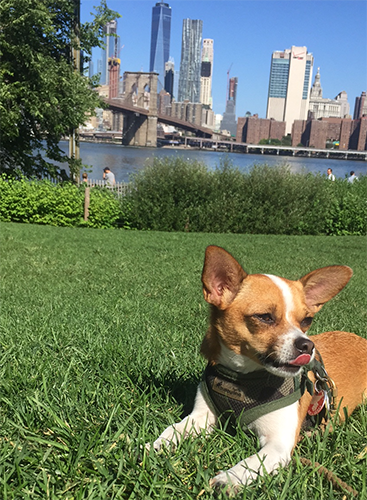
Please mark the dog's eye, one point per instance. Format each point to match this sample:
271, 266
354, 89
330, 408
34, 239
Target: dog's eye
265, 318
306, 322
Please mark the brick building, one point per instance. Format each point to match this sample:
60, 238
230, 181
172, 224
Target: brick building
252, 129
351, 134
188, 111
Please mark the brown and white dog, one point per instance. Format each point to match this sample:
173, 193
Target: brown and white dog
259, 322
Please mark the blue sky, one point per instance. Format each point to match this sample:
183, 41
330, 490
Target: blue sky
246, 32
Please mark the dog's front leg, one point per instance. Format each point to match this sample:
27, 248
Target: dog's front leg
201, 418
277, 433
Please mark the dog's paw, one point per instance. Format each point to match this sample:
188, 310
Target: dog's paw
161, 444
225, 483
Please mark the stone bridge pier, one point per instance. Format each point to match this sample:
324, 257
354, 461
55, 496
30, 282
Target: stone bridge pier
140, 90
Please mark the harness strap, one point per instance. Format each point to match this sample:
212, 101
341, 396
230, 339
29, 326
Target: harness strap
244, 398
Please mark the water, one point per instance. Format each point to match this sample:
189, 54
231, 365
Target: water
123, 160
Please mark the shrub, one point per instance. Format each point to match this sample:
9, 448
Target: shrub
176, 195
104, 209
165, 196
284, 203
42, 202
347, 211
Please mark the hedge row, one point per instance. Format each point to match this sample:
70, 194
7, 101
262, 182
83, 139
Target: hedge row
177, 195
42, 202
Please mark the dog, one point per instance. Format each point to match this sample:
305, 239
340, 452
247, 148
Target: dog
258, 353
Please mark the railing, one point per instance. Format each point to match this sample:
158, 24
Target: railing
119, 188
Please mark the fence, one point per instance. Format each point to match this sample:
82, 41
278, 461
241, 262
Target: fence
120, 188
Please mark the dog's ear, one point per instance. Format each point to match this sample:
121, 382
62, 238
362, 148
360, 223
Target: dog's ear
222, 277
323, 284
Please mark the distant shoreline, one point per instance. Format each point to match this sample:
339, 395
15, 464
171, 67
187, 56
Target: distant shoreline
267, 152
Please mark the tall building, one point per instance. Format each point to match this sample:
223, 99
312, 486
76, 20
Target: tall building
360, 106
289, 85
229, 116
321, 107
206, 72
189, 80
160, 40
169, 77
91, 69
111, 43
113, 77
99, 65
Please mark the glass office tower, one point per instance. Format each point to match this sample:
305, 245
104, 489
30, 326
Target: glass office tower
189, 81
289, 85
160, 40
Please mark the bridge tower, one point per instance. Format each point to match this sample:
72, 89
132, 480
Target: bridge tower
140, 90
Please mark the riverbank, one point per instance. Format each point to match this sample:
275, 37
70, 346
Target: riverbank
211, 145
124, 161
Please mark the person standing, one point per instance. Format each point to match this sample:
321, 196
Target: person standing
352, 177
330, 174
109, 177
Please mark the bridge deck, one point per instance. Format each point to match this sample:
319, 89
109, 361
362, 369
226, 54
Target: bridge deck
122, 106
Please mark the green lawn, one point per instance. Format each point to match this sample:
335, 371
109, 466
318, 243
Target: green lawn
99, 345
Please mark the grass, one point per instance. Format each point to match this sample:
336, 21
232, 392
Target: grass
99, 343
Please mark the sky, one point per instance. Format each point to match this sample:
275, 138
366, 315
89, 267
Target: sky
245, 33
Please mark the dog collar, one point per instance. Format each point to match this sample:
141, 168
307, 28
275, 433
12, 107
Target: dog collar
244, 398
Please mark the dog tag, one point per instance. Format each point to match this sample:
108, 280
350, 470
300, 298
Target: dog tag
317, 403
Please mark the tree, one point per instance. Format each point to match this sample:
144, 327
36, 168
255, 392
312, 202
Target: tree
42, 97
270, 142
287, 140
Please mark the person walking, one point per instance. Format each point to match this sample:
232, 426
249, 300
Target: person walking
352, 177
109, 177
330, 174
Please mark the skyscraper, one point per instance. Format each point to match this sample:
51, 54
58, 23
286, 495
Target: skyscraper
189, 80
206, 72
109, 51
169, 77
289, 85
160, 40
229, 116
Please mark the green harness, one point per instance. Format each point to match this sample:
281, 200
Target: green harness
244, 398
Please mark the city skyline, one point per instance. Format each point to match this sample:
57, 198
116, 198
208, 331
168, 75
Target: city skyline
246, 33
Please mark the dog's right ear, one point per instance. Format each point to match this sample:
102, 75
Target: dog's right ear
222, 277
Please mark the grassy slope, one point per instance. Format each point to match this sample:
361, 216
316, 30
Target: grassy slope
99, 345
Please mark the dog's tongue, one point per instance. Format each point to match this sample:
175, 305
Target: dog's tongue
302, 359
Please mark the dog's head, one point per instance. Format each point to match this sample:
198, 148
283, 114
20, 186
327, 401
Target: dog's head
262, 317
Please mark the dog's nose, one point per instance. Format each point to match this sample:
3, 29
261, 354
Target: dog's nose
304, 345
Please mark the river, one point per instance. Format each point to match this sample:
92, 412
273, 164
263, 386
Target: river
123, 160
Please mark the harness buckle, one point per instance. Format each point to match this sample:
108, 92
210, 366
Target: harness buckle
325, 383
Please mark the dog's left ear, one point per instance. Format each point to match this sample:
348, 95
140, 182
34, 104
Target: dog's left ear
222, 277
323, 284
